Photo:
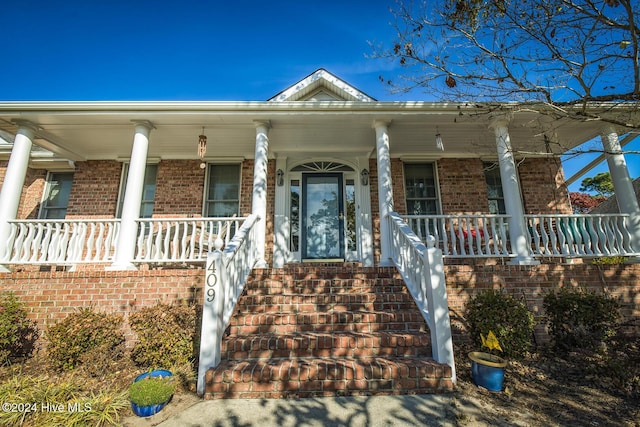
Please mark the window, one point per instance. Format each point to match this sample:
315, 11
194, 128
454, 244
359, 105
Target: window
494, 188
148, 191
420, 188
56, 196
223, 191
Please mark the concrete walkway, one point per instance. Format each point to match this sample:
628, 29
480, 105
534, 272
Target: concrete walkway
422, 410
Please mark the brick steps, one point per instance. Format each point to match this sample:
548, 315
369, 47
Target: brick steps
326, 330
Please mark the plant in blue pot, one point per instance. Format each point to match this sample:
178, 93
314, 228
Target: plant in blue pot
151, 391
487, 368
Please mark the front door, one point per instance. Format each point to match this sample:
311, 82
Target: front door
322, 216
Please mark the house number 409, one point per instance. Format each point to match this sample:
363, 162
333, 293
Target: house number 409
212, 280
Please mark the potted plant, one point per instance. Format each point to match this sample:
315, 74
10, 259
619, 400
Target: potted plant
151, 391
487, 369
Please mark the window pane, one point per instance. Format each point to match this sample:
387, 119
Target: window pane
494, 188
223, 192
351, 214
149, 192
224, 182
222, 209
57, 197
294, 215
420, 189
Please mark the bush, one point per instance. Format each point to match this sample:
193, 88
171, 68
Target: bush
579, 319
17, 333
508, 317
609, 260
165, 335
80, 334
71, 404
152, 390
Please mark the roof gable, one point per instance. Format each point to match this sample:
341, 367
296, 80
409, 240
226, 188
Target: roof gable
321, 85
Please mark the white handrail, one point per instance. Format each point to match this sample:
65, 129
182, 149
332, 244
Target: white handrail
226, 276
422, 270
61, 242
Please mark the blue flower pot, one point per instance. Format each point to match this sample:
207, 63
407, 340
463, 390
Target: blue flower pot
149, 410
487, 370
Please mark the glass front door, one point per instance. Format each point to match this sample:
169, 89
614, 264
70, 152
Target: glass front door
322, 216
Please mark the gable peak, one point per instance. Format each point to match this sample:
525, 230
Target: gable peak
321, 85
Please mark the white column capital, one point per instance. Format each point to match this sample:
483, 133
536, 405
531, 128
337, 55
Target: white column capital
146, 124
381, 124
26, 128
262, 125
500, 121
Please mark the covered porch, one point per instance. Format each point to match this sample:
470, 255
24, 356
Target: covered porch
363, 140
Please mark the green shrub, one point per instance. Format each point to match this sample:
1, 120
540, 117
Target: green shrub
152, 390
17, 333
165, 335
579, 319
81, 332
508, 317
76, 406
609, 260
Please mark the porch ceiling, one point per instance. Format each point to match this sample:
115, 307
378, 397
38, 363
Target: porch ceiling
104, 130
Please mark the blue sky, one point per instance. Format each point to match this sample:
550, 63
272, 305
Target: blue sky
196, 50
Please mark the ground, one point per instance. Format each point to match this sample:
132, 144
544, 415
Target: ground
547, 391
542, 390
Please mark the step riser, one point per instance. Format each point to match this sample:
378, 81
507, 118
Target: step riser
333, 318
293, 379
298, 329
328, 353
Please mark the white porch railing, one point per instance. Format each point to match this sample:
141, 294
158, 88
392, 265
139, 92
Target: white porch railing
182, 239
580, 235
422, 270
227, 273
61, 242
464, 236
472, 236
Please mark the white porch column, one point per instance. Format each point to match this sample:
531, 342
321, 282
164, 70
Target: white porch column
259, 200
126, 243
385, 189
14, 181
625, 195
512, 199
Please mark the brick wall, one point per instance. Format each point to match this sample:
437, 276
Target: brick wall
542, 186
179, 189
463, 187
32, 192
534, 282
51, 296
94, 192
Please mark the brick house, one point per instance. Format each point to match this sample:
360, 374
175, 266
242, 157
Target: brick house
117, 204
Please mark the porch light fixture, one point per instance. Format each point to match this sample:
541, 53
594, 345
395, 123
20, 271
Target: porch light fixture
202, 148
279, 178
364, 177
439, 143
